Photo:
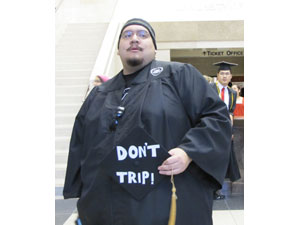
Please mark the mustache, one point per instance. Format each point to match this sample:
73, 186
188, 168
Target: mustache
134, 47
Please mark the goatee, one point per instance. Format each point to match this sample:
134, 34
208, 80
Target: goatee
134, 62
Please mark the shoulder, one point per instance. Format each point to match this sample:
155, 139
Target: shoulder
176, 66
233, 92
213, 84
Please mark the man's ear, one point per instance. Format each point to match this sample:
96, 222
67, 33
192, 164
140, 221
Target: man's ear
118, 53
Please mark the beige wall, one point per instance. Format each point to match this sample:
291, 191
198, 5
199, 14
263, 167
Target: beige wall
190, 25
185, 41
199, 31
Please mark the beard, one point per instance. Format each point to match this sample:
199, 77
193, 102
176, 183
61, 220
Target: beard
134, 62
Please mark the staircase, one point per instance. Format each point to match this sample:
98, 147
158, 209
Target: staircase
75, 56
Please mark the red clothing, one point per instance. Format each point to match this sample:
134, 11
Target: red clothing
239, 109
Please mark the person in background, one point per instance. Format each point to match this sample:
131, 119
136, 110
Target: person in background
154, 126
242, 92
239, 109
228, 96
100, 79
208, 78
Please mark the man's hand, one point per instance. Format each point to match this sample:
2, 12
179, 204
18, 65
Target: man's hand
176, 163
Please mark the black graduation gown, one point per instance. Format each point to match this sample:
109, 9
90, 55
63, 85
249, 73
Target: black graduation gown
233, 171
174, 104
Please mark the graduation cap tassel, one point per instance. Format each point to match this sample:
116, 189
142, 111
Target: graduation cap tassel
172, 217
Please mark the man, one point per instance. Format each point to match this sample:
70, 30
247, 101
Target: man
152, 121
229, 97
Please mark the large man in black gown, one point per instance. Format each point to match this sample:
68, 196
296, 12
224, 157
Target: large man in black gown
150, 121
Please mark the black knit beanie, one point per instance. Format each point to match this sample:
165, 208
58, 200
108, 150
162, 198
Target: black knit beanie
137, 21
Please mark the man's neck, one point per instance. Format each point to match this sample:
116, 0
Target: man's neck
131, 69
222, 84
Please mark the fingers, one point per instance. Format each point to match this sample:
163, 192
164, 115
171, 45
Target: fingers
171, 160
170, 172
176, 163
172, 163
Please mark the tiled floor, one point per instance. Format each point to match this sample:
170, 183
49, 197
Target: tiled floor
229, 211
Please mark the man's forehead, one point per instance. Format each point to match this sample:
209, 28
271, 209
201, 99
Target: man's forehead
224, 71
135, 27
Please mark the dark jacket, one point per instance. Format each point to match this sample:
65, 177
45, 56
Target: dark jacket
232, 97
175, 105
233, 172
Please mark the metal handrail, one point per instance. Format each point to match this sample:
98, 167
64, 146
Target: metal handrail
58, 5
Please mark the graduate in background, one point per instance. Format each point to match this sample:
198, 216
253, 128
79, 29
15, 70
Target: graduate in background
229, 97
153, 121
239, 109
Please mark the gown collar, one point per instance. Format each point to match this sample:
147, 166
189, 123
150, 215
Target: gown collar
118, 81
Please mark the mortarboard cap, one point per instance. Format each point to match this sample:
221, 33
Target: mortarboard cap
133, 163
225, 65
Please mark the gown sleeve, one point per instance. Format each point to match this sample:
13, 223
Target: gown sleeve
208, 141
73, 184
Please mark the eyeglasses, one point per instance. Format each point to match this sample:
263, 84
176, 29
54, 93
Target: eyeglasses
139, 33
225, 73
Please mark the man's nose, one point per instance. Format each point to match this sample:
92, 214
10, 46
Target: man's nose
135, 39
134, 36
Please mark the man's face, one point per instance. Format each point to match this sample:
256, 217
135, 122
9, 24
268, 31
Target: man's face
136, 47
224, 77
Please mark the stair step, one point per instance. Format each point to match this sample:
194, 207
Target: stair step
63, 130
63, 81
74, 66
65, 118
92, 39
60, 166
81, 54
87, 25
75, 51
67, 99
76, 47
81, 33
68, 73
67, 108
59, 182
71, 70
60, 173
74, 58
89, 42
61, 159
62, 143
71, 90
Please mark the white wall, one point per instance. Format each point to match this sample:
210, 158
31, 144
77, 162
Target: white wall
118, 12
179, 10
82, 11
